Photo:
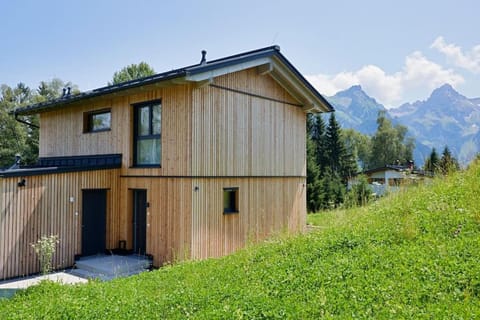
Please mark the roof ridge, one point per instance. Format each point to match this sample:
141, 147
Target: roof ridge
238, 58
173, 71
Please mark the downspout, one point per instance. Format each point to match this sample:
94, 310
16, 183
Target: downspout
26, 122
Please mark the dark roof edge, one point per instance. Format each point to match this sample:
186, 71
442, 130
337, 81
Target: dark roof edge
100, 91
52, 170
51, 165
306, 82
259, 53
385, 168
177, 73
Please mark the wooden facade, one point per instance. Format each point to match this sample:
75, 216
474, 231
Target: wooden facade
209, 131
241, 129
66, 125
48, 205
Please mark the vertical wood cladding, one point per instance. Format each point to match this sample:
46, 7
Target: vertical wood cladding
237, 134
245, 132
266, 206
61, 132
205, 132
42, 208
168, 216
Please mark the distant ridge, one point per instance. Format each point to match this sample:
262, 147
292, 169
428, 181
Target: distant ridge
446, 117
355, 109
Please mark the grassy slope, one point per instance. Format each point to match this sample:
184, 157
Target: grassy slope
413, 255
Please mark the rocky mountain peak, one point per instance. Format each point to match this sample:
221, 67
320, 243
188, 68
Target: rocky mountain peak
357, 96
445, 118
355, 90
445, 93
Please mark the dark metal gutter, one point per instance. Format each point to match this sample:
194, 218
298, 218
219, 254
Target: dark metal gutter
26, 122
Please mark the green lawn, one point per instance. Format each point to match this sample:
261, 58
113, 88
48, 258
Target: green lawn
413, 255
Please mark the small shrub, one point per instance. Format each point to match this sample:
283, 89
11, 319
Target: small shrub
360, 194
45, 248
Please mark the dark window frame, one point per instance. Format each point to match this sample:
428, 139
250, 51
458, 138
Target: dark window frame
232, 206
88, 123
136, 137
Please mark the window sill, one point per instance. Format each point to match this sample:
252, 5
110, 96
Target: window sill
146, 166
95, 131
231, 212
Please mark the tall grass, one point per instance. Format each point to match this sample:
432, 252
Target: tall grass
412, 255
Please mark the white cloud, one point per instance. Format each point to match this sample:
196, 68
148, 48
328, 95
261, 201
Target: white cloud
417, 74
469, 60
382, 86
419, 71
327, 85
385, 88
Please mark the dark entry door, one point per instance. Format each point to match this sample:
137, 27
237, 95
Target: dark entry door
140, 221
94, 221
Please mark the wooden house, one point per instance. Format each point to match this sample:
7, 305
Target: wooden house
187, 164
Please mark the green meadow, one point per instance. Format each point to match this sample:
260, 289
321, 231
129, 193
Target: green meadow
414, 254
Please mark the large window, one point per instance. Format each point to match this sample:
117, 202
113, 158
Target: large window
148, 134
95, 121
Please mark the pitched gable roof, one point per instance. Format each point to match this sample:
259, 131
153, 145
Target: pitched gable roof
267, 60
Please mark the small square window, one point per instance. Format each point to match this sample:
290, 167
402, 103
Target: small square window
96, 121
230, 200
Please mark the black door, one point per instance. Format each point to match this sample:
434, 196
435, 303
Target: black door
94, 221
140, 221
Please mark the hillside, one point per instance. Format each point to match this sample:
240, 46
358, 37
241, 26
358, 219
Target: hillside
411, 255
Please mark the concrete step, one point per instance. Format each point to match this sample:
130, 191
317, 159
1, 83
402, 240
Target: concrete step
110, 267
89, 275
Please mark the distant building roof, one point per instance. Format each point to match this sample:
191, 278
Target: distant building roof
386, 168
269, 58
398, 168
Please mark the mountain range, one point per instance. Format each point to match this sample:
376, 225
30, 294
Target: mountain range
446, 118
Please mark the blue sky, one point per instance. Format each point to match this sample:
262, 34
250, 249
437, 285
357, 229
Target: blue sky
399, 51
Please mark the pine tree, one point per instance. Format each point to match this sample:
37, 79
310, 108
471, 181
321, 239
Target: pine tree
334, 147
316, 130
448, 163
329, 163
348, 165
338, 158
432, 163
313, 178
332, 189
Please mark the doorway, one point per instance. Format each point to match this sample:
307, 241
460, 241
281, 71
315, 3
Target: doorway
94, 221
139, 221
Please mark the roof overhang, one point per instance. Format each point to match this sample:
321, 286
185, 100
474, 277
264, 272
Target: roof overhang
279, 69
299, 88
268, 61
